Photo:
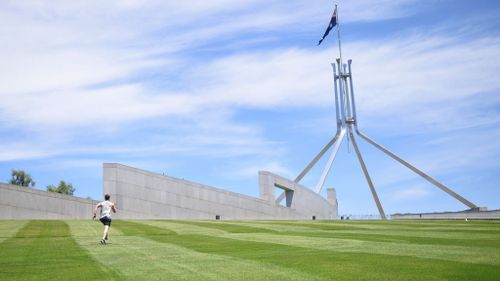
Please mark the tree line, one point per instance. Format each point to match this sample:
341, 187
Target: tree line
21, 178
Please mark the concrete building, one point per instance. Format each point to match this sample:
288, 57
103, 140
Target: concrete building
140, 194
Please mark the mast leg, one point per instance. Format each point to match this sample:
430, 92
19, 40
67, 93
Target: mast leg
368, 179
328, 166
316, 159
417, 171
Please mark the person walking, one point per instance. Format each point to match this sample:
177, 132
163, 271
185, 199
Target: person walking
106, 207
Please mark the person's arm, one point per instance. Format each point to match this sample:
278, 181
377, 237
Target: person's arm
95, 209
113, 208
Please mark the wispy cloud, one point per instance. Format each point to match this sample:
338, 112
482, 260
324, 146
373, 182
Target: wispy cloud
411, 193
52, 59
276, 78
251, 170
367, 11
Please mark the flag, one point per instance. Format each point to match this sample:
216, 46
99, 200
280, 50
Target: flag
333, 22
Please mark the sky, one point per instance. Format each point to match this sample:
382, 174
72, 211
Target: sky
213, 91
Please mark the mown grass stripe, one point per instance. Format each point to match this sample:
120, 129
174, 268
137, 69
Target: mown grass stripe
395, 245
90, 228
474, 228
228, 227
439, 225
183, 228
45, 250
329, 263
135, 251
449, 253
453, 237
9, 228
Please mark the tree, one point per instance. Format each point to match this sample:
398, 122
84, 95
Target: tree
63, 187
20, 177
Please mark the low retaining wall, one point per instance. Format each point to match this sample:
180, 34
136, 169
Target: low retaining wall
19, 202
479, 215
140, 194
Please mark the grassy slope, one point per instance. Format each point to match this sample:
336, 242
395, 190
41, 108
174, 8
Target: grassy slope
45, 250
254, 250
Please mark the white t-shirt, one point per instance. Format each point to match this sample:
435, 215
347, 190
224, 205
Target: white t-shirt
106, 209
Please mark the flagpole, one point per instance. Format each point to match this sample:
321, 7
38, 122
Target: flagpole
338, 36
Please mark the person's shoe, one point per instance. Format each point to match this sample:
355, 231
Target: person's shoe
103, 242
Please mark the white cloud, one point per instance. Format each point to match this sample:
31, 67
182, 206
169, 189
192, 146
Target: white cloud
411, 193
367, 10
281, 78
252, 170
110, 105
417, 70
57, 51
10, 152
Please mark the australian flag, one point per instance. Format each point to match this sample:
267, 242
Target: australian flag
332, 23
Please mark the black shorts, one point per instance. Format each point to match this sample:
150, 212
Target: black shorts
106, 221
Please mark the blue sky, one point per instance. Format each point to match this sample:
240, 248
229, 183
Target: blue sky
214, 91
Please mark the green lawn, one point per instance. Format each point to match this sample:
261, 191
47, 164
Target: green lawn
251, 250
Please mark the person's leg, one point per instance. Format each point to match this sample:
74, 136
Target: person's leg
105, 234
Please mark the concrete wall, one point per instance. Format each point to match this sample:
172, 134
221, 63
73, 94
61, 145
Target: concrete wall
18, 202
141, 194
482, 215
299, 198
331, 196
